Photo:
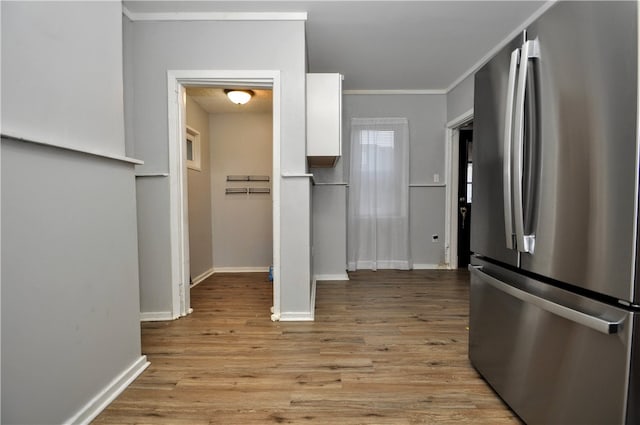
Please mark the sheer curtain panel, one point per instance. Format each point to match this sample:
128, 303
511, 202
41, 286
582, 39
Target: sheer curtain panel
378, 213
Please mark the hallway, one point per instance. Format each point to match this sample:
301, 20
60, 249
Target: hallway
387, 347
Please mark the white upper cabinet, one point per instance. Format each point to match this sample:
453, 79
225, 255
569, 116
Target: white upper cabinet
324, 119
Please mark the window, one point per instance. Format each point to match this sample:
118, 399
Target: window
378, 197
377, 167
193, 149
381, 138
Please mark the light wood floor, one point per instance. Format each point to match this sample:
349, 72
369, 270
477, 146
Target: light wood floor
387, 347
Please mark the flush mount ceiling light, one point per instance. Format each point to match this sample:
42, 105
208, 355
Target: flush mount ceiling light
239, 97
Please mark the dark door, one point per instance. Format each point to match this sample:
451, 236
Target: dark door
465, 164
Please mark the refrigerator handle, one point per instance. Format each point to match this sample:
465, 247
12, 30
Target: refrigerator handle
596, 323
524, 243
507, 158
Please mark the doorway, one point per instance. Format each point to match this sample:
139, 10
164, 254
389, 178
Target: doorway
229, 191
465, 193
458, 171
177, 83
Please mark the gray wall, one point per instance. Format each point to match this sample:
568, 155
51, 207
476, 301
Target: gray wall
58, 73
70, 309
127, 59
329, 231
427, 117
199, 188
154, 255
225, 45
241, 144
460, 98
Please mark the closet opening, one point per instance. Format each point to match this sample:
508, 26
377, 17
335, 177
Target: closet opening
229, 156
224, 179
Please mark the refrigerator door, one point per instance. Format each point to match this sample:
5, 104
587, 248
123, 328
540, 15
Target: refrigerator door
585, 186
554, 357
492, 88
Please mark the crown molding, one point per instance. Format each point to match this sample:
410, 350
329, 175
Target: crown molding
504, 42
432, 92
214, 16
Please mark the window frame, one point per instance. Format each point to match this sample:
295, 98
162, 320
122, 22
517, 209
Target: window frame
193, 136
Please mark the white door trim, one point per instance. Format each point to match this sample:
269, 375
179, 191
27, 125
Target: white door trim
176, 81
451, 210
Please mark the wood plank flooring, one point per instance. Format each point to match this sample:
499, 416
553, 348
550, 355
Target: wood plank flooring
387, 347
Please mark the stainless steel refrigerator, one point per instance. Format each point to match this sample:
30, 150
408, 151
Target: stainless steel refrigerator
555, 298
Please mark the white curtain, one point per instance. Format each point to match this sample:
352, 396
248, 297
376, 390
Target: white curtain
378, 213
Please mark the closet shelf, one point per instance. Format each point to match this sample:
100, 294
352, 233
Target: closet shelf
235, 190
245, 190
248, 178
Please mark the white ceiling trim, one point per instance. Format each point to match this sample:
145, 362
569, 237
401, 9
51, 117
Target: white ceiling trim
394, 92
215, 16
500, 45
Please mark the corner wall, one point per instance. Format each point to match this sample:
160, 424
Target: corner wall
70, 311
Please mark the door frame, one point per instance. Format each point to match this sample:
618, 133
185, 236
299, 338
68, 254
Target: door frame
177, 80
452, 147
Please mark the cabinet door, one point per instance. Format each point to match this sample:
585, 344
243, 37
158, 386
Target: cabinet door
324, 112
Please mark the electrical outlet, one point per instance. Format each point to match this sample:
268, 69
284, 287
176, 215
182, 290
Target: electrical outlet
434, 238
436, 178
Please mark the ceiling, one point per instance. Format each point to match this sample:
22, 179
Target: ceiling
214, 101
386, 45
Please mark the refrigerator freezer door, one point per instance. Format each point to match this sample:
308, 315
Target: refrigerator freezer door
586, 191
549, 365
492, 88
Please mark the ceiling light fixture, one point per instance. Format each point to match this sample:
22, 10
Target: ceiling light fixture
239, 97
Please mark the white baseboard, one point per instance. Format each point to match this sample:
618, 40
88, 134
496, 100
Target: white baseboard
343, 276
240, 269
200, 278
296, 316
430, 267
109, 393
156, 316
300, 316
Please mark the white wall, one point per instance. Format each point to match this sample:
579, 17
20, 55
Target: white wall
199, 193
427, 117
70, 308
241, 144
219, 45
